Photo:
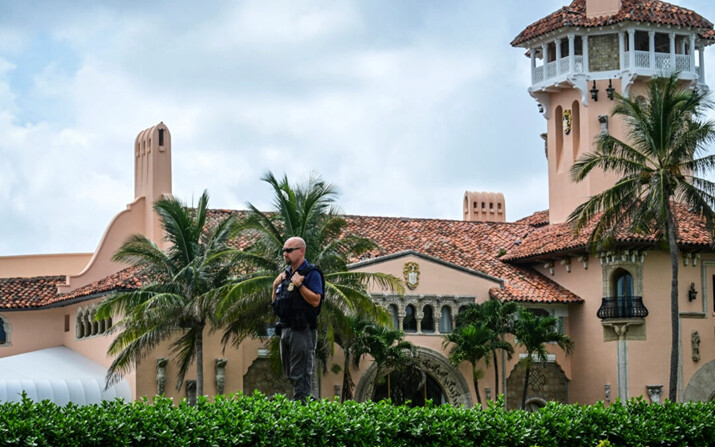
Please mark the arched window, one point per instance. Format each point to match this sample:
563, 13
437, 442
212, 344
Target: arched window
622, 289
394, 317
427, 319
445, 320
622, 283
409, 324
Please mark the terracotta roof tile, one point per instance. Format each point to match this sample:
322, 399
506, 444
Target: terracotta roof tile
473, 245
560, 238
19, 293
41, 291
648, 11
538, 219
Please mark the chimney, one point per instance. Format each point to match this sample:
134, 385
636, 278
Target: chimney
484, 207
152, 174
601, 8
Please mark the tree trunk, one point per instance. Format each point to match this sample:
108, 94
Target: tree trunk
476, 384
674, 311
347, 392
496, 377
526, 387
389, 391
200, 360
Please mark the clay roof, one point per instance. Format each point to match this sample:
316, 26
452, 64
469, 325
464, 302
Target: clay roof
472, 245
561, 238
648, 11
17, 293
538, 219
41, 291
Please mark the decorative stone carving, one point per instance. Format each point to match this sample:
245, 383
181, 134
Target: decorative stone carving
607, 392
695, 345
161, 374
411, 273
220, 374
603, 121
488, 392
191, 392
447, 375
437, 302
654, 393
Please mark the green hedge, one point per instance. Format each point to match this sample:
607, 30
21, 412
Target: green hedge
260, 421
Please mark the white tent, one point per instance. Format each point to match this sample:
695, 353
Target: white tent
58, 374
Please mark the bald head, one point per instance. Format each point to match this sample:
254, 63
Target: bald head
294, 252
295, 241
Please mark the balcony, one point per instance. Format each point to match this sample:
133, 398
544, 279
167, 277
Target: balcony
622, 308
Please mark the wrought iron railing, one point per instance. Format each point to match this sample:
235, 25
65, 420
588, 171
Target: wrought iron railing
622, 307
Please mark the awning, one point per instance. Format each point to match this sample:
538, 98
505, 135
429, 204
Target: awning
58, 374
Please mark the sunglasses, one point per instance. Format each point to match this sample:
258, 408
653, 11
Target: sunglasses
291, 250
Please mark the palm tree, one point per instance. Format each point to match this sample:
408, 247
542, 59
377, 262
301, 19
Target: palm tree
351, 338
393, 356
471, 343
532, 332
660, 164
307, 210
498, 317
178, 300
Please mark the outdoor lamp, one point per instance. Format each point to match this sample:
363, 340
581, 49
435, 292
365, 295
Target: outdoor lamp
594, 91
610, 90
692, 293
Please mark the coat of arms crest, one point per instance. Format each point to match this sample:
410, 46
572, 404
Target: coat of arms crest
411, 272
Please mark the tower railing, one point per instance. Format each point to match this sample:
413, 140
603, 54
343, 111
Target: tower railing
660, 63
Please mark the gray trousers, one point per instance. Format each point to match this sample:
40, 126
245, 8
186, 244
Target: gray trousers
297, 357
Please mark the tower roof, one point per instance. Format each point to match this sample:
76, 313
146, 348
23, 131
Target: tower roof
647, 11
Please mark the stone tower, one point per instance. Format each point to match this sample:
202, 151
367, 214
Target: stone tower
584, 53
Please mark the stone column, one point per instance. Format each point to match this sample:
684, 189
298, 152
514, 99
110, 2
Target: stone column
620, 330
419, 315
651, 49
584, 44
621, 50
558, 56
672, 51
572, 56
691, 49
532, 54
632, 48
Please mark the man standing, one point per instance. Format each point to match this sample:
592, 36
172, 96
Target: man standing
297, 295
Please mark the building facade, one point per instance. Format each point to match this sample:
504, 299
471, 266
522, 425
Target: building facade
615, 305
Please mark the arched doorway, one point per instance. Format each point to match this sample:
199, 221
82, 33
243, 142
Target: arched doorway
430, 390
443, 381
701, 386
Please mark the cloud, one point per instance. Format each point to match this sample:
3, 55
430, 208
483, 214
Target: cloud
402, 105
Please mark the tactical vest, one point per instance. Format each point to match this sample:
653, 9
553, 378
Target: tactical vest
290, 306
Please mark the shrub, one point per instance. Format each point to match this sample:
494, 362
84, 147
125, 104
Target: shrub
256, 420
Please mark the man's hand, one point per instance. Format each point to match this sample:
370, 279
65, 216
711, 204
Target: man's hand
277, 281
297, 279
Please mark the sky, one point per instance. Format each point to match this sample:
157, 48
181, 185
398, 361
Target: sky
402, 105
